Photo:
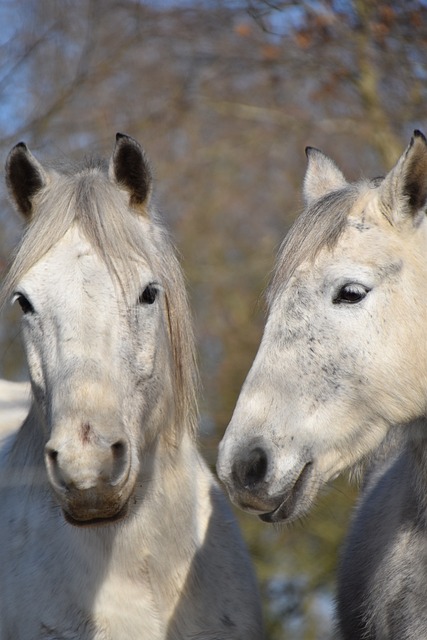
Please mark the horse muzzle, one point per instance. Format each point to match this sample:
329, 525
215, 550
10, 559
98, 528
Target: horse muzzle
93, 482
88, 509
256, 486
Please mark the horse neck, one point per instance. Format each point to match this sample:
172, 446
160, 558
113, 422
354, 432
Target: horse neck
178, 473
416, 452
27, 445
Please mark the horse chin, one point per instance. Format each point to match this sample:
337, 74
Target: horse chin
286, 512
294, 503
91, 520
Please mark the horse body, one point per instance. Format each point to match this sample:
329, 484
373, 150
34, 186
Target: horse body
112, 527
383, 569
342, 365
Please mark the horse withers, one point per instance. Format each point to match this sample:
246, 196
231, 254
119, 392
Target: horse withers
112, 526
341, 369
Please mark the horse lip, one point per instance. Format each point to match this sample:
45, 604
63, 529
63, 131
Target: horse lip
96, 521
286, 509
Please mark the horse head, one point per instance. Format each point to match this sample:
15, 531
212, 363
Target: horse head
344, 352
101, 296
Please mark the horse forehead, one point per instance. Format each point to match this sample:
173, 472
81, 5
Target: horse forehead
65, 265
368, 241
367, 238
74, 262
73, 248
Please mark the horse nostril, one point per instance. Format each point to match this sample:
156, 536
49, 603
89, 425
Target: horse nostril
256, 467
53, 467
119, 451
250, 472
52, 455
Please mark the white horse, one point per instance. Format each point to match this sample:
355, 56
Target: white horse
111, 526
341, 365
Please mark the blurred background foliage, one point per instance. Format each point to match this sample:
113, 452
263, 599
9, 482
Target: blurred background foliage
224, 96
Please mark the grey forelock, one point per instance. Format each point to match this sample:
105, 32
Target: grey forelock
319, 225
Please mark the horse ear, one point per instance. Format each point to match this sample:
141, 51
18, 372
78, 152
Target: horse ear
404, 189
25, 176
322, 176
129, 167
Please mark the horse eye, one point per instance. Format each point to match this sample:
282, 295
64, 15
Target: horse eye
149, 295
24, 303
351, 294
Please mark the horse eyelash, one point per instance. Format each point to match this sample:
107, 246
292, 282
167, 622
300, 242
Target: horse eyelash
340, 299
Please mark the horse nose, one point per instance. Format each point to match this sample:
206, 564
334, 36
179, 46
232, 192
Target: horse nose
89, 467
250, 469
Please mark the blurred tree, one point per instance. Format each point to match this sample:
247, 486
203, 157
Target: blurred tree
224, 95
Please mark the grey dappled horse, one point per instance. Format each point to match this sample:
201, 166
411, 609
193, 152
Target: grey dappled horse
341, 366
112, 526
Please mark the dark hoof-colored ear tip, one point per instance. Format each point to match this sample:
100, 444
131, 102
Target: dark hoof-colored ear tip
310, 150
131, 169
21, 145
419, 134
25, 177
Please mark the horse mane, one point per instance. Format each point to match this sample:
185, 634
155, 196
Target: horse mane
87, 197
319, 225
